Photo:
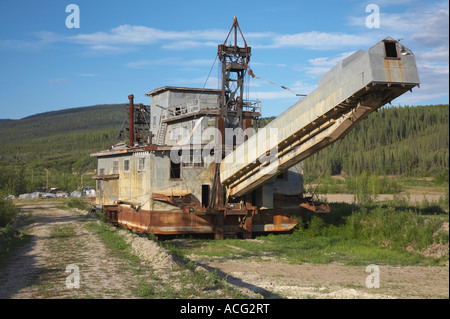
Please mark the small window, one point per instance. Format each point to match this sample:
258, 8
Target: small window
126, 165
175, 170
102, 171
184, 131
186, 160
197, 158
198, 161
205, 195
141, 166
116, 167
283, 176
390, 49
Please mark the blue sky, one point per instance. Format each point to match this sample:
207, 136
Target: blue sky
132, 47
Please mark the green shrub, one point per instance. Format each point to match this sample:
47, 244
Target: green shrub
80, 203
385, 225
8, 211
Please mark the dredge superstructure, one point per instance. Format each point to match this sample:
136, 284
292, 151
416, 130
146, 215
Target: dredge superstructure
195, 165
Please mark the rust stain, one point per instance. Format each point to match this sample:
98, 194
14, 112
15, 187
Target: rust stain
400, 69
179, 222
387, 69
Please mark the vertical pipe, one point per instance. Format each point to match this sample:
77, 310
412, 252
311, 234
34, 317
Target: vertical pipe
131, 113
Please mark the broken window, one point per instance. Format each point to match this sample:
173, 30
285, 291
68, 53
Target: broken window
283, 176
205, 195
390, 49
141, 166
116, 167
126, 165
198, 161
186, 160
175, 170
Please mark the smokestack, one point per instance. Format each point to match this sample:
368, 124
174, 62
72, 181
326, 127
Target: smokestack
131, 97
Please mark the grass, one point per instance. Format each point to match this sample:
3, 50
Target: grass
11, 240
184, 281
8, 211
79, 202
115, 242
372, 184
390, 233
351, 235
11, 236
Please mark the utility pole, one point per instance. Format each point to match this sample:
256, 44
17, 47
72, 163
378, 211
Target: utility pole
46, 170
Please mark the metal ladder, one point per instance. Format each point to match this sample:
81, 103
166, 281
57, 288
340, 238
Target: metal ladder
162, 133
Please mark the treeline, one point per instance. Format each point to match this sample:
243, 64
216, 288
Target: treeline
54, 148
68, 152
61, 161
405, 140
16, 180
50, 124
60, 140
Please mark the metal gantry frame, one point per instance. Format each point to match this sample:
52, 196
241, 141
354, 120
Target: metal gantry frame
234, 61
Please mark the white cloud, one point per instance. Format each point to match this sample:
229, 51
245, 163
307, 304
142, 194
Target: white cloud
434, 83
327, 61
321, 40
303, 88
432, 28
281, 65
125, 37
142, 35
321, 65
184, 45
211, 82
438, 54
58, 81
271, 95
424, 28
169, 61
425, 24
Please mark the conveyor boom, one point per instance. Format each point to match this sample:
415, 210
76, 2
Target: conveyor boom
347, 94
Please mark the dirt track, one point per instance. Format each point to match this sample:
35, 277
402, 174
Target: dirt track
60, 238
272, 280
38, 270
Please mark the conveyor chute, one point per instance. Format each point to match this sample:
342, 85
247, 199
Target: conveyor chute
347, 94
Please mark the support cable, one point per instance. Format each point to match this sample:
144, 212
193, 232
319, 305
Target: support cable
281, 86
326, 171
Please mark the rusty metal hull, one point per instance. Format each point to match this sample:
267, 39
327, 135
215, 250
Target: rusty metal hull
180, 222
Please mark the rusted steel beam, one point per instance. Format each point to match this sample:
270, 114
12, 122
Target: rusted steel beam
106, 177
305, 202
185, 202
173, 222
131, 111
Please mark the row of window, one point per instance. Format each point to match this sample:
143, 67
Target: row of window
186, 161
126, 166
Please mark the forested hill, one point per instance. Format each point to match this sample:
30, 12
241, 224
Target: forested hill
395, 140
90, 118
60, 140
